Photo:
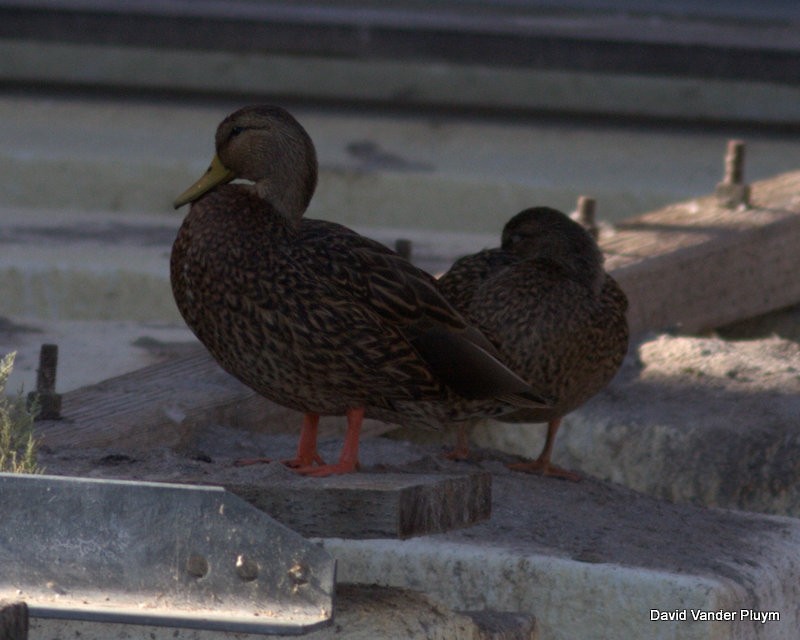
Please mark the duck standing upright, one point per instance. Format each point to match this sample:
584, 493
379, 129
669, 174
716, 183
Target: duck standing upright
314, 316
554, 314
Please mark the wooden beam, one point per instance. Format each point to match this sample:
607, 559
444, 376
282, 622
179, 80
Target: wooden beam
421, 497
158, 405
368, 504
165, 404
697, 265
372, 505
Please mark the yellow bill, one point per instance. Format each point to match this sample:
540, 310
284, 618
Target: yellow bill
217, 174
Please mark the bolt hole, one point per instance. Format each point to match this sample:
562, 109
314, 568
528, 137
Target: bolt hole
246, 568
197, 565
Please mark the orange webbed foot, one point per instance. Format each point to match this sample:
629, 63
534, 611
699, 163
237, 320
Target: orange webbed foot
301, 462
461, 451
338, 469
348, 460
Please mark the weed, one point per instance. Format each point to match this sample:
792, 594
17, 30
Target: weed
17, 443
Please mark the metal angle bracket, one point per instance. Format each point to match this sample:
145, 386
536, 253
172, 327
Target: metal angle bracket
157, 554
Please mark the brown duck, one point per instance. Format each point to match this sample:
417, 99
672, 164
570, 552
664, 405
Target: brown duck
314, 316
556, 317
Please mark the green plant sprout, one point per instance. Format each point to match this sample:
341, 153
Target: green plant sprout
17, 443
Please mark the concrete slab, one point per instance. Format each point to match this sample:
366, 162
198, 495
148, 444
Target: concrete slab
595, 560
378, 168
688, 419
590, 559
652, 61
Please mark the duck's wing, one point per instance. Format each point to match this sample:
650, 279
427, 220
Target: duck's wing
404, 297
467, 275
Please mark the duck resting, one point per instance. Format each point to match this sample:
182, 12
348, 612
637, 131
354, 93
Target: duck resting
311, 314
554, 314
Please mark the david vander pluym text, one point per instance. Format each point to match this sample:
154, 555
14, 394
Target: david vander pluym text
719, 615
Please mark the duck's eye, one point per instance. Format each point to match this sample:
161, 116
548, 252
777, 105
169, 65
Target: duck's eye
236, 131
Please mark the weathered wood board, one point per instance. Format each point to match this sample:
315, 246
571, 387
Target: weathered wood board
156, 405
697, 265
422, 496
165, 404
375, 505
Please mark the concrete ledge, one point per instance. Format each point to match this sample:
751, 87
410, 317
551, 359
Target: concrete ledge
646, 37
581, 557
428, 171
591, 560
432, 172
410, 83
697, 420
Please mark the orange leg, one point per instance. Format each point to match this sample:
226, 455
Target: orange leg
348, 459
461, 450
306, 447
542, 464
307, 454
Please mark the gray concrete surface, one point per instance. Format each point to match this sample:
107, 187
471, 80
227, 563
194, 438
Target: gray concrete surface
378, 169
688, 419
588, 559
593, 560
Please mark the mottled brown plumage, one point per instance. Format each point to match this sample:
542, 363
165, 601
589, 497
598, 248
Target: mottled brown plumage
312, 315
556, 317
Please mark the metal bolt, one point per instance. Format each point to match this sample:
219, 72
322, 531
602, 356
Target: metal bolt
246, 568
45, 395
402, 247
584, 215
734, 162
196, 565
732, 192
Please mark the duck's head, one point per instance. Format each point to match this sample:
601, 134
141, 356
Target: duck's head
266, 145
543, 233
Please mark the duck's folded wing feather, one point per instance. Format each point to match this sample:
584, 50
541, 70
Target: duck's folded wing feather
407, 298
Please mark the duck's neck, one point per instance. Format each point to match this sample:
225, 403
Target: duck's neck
287, 202
290, 182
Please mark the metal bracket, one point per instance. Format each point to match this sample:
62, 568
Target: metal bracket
157, 554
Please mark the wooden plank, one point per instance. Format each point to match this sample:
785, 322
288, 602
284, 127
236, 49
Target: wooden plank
166, 404
370, 505
13, 620
696, 265
159, 404
398, 502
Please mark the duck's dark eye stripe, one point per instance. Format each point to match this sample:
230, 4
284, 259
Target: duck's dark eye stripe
236, 131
